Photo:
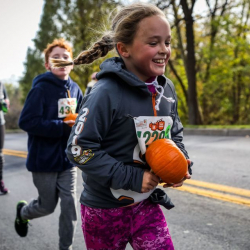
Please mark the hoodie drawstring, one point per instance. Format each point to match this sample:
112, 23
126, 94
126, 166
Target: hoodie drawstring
161, 92
68, 93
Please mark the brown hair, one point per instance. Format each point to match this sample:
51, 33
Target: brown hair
124, 27
57, 43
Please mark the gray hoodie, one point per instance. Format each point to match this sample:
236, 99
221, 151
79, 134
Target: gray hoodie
103, 142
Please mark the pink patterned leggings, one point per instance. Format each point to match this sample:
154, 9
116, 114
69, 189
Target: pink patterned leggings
142, 225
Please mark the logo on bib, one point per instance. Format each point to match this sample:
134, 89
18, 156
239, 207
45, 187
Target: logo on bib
159, 125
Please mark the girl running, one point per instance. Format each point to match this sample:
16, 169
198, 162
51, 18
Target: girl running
108, 141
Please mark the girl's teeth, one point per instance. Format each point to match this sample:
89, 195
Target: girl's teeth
159, 61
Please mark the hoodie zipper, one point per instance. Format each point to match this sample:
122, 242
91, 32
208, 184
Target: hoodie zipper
68, 92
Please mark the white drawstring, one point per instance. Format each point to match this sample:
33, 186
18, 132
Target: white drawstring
161, 92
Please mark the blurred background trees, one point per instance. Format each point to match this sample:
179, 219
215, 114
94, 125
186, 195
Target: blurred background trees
14, 95
210, 62
78, 21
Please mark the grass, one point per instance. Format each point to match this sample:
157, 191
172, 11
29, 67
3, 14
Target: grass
219, 126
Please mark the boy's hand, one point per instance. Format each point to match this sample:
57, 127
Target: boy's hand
70, 122
70, 119
149, 182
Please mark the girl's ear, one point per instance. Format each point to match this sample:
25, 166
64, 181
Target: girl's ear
122, 49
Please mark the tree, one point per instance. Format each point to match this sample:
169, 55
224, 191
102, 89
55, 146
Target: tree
187, 51
224, 63
210, 52
83, 22
74, 20
202, 45
48, 30
34, 66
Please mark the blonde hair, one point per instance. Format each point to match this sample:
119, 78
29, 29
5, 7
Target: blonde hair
57, 43
124, 27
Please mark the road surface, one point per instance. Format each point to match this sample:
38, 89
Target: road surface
212, 211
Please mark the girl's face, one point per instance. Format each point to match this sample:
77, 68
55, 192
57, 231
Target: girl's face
63, 54
149, 53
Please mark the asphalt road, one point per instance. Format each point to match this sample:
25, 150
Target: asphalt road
197, 222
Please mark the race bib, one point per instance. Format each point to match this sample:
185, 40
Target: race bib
66, 106
151, 128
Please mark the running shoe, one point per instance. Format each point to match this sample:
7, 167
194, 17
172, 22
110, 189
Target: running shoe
3, 189
21, 225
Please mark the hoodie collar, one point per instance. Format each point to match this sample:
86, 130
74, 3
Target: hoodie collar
51, 78
116, 66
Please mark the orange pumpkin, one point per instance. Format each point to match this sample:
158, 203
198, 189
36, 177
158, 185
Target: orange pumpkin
166, 160
70, 117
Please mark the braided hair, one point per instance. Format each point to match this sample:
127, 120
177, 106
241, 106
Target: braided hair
124, 27
99, 49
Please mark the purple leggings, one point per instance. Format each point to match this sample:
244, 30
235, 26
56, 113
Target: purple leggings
142, 225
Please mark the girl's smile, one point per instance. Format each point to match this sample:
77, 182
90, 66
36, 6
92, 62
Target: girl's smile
159, 61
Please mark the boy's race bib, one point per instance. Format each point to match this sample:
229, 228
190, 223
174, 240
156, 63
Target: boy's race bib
66, 106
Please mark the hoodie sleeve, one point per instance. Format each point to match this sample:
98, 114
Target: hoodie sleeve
85, 143
32, 120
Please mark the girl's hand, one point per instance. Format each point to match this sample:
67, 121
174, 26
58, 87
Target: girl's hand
187, 176
149, 182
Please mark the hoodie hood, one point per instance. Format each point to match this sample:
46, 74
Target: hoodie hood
117, 67
51, 78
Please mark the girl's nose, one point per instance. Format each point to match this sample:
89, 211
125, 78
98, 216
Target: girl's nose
163, 49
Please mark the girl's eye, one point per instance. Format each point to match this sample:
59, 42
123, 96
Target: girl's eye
65, 57
153, 43
168, 43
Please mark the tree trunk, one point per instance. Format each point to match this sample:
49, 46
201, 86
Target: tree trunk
193, 110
